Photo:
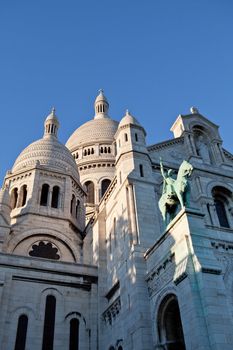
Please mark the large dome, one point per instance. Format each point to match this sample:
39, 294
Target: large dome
99, 130
94, 131
48, 152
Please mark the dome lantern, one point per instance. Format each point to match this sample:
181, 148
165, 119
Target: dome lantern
51, 125
101, 106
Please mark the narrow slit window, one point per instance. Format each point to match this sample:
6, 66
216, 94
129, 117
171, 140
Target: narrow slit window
20, 341
72, 204
44, 195
24, 195
74, 334
49, 323
55, 197
141, 170
14, 198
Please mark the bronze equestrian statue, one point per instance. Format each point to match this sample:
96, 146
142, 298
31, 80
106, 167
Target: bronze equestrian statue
175, 191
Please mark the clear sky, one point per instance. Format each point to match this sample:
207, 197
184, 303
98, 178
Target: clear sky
155, 57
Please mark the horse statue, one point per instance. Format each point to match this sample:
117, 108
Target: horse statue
175, 191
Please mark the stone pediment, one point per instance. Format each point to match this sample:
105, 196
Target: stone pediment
171, 150
228, 155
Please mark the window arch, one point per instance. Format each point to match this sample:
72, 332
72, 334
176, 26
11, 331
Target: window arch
90, 192
222, 198
55, 197
202, 143
20, 340
169, 324
14, 198
104, 185
44, 195
49, 323
74, 334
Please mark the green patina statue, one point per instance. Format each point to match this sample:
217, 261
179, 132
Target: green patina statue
175, 191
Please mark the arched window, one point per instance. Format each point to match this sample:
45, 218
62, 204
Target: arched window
74, 334
120, 348
169, 324
222, 198
221, 212
126, 137
44, 195
21, 334
49, 323
90, 192
202, 143
14, 198
104, 185
101, 150
72, 205
55, 197
136, 137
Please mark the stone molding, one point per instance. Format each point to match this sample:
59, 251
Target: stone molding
165, 144
112, 311
161, 275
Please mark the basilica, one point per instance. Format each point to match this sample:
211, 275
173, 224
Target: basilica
89, 260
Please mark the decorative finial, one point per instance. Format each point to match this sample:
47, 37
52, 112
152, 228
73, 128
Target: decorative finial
194, 110
101, 91
127, 111
53, 111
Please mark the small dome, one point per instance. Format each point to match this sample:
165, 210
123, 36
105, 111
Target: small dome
128, 119
48, 152
94, 131
52, 116
101, 97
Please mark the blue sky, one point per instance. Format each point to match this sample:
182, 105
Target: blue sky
155, 57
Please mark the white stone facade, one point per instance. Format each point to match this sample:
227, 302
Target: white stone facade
85, 260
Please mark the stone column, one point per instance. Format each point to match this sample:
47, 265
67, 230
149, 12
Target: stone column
49, 199
213, 213
132, 214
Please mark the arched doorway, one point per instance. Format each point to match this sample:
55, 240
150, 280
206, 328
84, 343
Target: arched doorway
169, 324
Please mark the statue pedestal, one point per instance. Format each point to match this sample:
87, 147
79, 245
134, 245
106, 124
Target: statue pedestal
191, 271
